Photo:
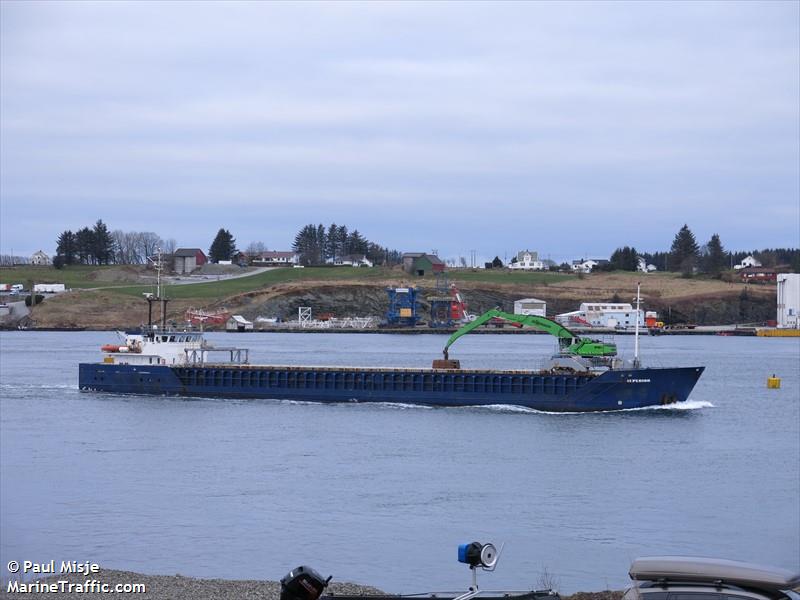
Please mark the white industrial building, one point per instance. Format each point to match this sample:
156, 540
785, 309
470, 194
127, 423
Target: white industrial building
530, 306
789, 301
603, 314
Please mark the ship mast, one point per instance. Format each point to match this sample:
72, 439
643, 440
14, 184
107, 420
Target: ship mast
157, 298
636, 362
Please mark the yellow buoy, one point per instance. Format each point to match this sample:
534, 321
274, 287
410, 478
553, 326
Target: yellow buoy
773, 383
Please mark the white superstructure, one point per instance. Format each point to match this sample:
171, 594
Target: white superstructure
169, 347
789, 301
613, 315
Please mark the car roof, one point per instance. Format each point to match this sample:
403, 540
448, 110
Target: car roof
699, 569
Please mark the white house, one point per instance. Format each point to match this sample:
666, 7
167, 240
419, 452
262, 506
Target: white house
644, 267
584, 266
277, 259
40, 258
530, 306
528, 261
748, 261
352, 260
789, 300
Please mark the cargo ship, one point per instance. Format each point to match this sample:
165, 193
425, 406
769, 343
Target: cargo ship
583, 376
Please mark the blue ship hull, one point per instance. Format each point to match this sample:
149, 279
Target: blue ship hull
611, 390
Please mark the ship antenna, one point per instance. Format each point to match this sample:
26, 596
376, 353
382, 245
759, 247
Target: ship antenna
158, 275
636, 362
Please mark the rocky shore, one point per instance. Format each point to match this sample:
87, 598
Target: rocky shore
177, 587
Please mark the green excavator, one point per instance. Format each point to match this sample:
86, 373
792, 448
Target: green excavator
568, 342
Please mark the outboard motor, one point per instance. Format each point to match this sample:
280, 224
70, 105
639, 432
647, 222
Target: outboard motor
303, 583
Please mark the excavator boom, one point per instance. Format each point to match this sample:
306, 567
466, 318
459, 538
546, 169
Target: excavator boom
569, 342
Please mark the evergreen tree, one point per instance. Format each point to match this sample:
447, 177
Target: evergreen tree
103, 244
497, 263
332, 242
625, 259
223, 247
357, 243
66, 247
342, 242
310, 244
715, 259
684, 252
84, 246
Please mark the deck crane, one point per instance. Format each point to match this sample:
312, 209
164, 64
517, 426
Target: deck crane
568, 342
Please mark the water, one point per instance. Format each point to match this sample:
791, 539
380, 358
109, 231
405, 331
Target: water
383, 494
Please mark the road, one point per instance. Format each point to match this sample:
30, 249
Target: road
188, 280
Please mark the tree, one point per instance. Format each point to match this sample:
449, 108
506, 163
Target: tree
357, 243
255, 249
66, 247
684, 252
84, 246
169, 245
715, 258
310, 244
223, 247
625, 259
342, 239
497, 263
331, 246
103, 244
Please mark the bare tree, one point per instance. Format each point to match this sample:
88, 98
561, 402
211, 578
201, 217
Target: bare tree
126, 244
547, 580
150, 243
134, 247
8, 260
255, 248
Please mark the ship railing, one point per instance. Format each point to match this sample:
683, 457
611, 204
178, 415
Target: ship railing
197, 356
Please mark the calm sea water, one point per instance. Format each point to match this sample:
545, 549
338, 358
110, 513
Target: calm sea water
383, 494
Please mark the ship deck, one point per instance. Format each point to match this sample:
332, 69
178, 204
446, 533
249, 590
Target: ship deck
353, 369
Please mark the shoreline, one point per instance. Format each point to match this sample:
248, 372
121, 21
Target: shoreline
178, 587
731, 330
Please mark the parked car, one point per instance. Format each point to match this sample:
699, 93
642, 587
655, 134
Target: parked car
691, 578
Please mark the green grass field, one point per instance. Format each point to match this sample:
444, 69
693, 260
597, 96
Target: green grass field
86, 276
80, 276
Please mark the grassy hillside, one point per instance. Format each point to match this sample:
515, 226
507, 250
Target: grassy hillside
135, 280
223, 288
76, 277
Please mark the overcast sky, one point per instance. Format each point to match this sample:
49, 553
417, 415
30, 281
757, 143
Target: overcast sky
568, 128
